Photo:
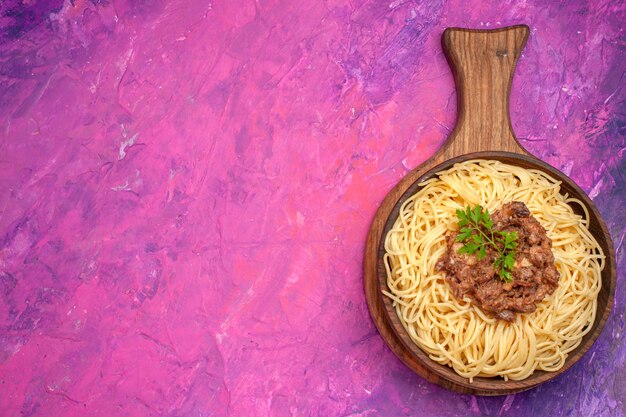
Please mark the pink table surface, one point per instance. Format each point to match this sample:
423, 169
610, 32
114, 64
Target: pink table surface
186, 189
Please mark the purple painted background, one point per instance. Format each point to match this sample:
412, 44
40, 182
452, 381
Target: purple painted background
186, 189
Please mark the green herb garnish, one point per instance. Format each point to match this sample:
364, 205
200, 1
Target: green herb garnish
477, 234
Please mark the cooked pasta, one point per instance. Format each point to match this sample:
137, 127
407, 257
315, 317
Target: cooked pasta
456, 333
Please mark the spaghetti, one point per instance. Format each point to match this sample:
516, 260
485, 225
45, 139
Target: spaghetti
456, 333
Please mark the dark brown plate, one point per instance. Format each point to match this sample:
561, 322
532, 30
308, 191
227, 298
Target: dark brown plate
483, 63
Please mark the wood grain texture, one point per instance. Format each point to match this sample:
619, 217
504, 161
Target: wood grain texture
483, 63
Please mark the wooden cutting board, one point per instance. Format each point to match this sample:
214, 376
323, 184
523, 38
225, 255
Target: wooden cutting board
483, 63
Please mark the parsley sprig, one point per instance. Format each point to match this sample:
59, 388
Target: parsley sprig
477, 234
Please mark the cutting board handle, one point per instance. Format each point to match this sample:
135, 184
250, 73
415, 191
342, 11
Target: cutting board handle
483, 63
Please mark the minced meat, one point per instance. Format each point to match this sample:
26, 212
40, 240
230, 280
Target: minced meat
534, 273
